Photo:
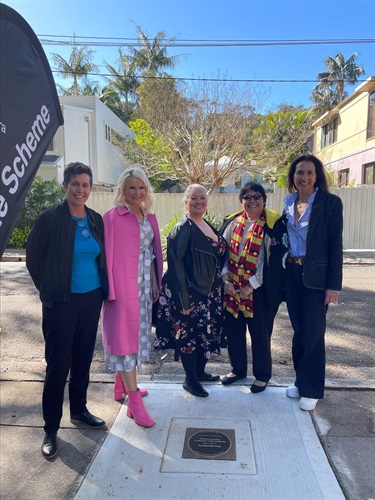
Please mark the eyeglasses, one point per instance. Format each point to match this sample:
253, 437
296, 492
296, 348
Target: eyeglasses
85, 231
255, 197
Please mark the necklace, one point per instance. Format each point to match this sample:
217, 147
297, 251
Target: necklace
299, 203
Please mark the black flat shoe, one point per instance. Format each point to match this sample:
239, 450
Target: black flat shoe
195, 392
49, 445
86, 418
255, 389
208, 377
230, 380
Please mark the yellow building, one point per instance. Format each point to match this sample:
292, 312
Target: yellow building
344, 138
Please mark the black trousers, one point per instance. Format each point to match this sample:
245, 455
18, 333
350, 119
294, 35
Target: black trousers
69, 330
260, 328
307, 313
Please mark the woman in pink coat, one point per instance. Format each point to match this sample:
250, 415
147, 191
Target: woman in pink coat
135, 265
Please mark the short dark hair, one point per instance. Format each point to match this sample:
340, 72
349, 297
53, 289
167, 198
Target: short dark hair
321, 179
253, 186
76, 168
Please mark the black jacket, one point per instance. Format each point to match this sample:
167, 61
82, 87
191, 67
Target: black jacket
191, 262
322, 269
49, 252
276, 244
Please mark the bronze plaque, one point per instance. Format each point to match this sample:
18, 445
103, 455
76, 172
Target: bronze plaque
209, 444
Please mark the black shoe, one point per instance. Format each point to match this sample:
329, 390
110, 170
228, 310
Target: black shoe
255, 389
86, 418
49, 445
230, 380
195, 391
208, 377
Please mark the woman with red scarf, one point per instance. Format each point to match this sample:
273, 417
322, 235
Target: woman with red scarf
253, 283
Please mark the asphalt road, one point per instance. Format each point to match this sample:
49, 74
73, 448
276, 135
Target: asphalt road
349, 340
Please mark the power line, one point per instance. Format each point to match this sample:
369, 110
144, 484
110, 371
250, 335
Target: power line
66, 40
224, 80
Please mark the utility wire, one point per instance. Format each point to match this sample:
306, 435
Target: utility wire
171, 77
134, 42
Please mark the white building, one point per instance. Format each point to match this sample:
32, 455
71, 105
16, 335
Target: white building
91, 134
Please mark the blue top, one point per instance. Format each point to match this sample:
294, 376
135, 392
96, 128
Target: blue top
85, 270
297, 232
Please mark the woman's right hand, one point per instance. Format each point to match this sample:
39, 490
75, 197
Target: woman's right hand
185, 312
229, 289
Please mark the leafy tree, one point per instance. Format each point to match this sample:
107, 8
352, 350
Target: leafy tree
325, 98
205, 126
331, 88
42, 194
121, 93
148, 147
279, 139
77, 67
151, 58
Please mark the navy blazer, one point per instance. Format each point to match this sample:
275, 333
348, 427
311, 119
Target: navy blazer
322, 269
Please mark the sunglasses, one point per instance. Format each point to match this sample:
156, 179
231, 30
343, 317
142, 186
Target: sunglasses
255, 197
85, 231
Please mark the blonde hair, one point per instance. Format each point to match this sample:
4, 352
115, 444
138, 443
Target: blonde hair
138, 173
191, 188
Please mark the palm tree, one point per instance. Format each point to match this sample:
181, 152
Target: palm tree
124, 81
152, 57
77, 67
325, 98
341, 72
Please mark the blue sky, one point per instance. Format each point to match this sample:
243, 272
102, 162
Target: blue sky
222, 19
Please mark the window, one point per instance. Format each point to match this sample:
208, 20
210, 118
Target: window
114, 137
329, 133
108, 133
371, 116
117, 140
368, 173
343, 177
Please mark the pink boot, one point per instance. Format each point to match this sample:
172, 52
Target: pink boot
120, 391
137, 410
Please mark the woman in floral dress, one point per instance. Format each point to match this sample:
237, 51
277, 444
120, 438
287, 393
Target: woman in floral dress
190, 304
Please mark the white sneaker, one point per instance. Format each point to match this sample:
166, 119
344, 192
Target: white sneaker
308, 404
292, 391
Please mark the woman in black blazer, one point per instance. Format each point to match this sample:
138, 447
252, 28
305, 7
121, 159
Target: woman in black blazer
313, 272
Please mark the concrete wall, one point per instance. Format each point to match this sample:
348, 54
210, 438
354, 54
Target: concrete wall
359, 207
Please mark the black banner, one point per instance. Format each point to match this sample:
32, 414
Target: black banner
30, 114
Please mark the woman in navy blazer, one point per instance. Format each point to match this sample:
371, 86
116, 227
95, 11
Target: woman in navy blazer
313, 272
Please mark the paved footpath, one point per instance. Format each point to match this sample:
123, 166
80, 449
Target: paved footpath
344, 422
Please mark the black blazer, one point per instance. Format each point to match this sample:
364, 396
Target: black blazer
322, 269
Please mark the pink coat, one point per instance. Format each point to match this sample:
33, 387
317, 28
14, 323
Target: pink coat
120, 313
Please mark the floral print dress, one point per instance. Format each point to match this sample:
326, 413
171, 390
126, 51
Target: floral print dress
201, 329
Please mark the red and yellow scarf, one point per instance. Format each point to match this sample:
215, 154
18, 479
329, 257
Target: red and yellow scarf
242, 267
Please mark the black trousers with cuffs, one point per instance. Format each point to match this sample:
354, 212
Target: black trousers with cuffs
260, 328
69, 330
307, 313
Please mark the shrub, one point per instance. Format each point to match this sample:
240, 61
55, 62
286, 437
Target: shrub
19, 236
213, 219
42, 194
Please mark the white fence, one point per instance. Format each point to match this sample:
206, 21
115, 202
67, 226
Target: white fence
359, 210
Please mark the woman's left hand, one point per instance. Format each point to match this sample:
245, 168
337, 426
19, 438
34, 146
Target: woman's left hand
330, 297
246, 291
155, 293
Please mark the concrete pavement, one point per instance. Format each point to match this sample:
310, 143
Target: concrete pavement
344, 422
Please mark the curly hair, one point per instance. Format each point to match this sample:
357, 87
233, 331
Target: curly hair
77, 168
